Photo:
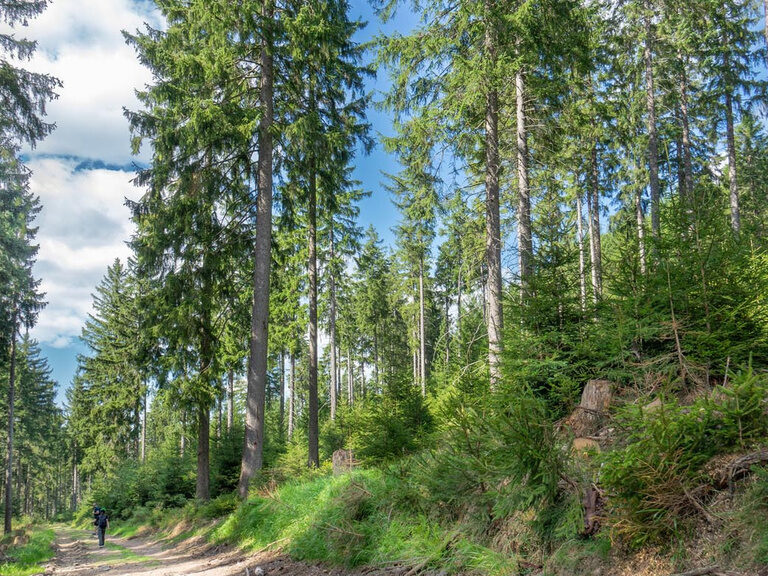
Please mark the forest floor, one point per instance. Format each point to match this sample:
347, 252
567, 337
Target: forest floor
78, 554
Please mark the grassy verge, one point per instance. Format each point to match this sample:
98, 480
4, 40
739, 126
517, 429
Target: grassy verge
26, 558
354, 519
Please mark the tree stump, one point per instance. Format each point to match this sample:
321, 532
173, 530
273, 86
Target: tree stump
343, 461
586, 419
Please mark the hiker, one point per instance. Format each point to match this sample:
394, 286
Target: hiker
103, 524
96, 510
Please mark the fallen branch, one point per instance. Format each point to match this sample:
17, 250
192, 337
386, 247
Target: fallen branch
741, 466
268, 546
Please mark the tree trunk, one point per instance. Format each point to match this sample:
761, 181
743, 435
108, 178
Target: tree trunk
292, 398
422, 333
595, 243
75, 479
313, 431
524, 234
202, 487
640, 229
582, 264
687, 191
230, 400
350, 378
765, 22
219, 415
9, 455
458, 315
183, 439
144, 427
492, 219
257, 360
282, 393
375, 358
332, 327
650, 103
732, 185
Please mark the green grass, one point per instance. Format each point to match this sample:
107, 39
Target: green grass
27, 558
352, 520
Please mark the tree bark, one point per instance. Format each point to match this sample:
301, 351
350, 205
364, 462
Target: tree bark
732, 183
292, 398
686, 138
350, 378
202, 487
650, 103
524, 234
492, 219
257, 359
9, 454
230, 400
765, 22
313, 431
595, 242
640, 230
282, 393
375, 358
332, 327
144, 427
422, 333
582, 264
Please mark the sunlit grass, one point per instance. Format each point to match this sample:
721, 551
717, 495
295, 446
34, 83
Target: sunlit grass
353, 520
28, 558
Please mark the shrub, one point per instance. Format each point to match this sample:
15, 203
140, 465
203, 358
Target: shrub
656, 480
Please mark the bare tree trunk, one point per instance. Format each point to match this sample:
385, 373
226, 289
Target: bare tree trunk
202, 487
9, 454
219, 415
640, 229
492, 219
375, 358
282, 392
732, 183
75, 479
313, 431
292, 398
595, 243
257, 359
144, 427
422, 332
362, 378
686, 138
524, 234
332, 327
582, 264
650, 103
230, 399
765, 13
458, 314
183, 439
350, 378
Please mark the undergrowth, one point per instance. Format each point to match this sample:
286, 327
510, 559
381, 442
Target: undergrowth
26, 558
354, 519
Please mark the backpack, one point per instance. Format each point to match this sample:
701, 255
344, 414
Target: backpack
102, 519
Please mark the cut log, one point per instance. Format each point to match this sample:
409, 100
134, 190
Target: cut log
343, 461
588, 416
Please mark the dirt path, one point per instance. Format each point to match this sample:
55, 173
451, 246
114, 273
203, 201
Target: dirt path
78, 554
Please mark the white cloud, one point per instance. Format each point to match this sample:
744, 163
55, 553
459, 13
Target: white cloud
80, 42
84, 224
83, 227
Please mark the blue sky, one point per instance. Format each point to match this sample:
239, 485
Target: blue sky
82, 171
